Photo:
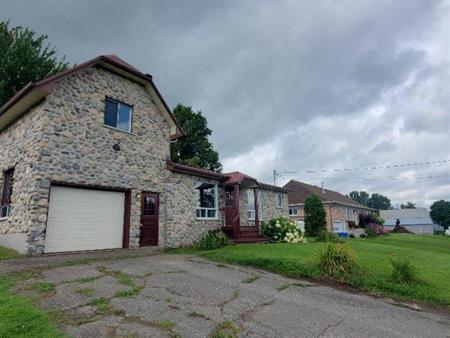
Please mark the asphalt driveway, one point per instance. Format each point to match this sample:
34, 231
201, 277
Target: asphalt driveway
185, 296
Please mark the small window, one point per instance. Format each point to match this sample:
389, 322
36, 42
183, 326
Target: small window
279, 200
350, 214
251, 212
293, 211
5, 207
207, 201
118, 115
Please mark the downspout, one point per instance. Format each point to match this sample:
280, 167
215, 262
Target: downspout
331, 218
255, 192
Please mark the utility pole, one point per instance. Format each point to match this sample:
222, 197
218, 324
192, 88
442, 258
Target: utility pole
274, 176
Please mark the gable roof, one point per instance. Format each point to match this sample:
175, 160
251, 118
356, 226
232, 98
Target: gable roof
34, 92
226, 179
418, 216
301, 191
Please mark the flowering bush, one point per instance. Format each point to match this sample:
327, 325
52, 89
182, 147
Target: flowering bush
282, 229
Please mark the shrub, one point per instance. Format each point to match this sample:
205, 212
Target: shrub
403, 271
371, 219
326, 236
315, 216
212, 240
351, 236
337, 259
371, 232
362, 236
282, 229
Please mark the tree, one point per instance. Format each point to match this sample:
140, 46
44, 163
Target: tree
379, 202
194, 149
360, 197
440, 213
24, 57
315, 216
408, 205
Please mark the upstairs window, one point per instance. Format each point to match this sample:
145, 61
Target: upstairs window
207, 201
5, 206
293, 211
118, 115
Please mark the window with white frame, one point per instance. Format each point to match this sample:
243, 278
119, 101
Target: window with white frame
251, 213
5, 206
207, 201
293, 211
118, 115
279, 200
350, 215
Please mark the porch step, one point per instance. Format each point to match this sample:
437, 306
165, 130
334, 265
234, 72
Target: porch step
252, 239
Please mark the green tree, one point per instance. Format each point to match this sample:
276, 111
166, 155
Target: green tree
379, 202
360, 197
315, 216
440, 213
408, 205
24, 57
194, 149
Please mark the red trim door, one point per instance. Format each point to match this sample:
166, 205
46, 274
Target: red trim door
232, 206
149, 219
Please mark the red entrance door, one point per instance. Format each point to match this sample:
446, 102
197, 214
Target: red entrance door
149, 219
231, 206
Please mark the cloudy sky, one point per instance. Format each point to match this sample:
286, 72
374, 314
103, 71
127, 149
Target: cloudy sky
296, 86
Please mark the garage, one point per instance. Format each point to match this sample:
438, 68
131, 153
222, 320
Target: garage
84, 219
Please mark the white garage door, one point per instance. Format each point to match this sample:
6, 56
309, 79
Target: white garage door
82, 219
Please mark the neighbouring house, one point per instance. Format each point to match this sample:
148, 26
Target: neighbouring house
415, 220
85, 159
342, 212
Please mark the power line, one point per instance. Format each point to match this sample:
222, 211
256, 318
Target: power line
392, 166
378, 178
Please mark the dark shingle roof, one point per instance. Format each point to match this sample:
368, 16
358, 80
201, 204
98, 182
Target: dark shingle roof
301, 191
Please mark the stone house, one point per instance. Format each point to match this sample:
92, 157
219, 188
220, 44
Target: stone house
341, 211
85, 160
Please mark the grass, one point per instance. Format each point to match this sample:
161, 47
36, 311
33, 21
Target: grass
44, 287
87, 292
225, 330
18, 316
430, 255
165, 325
8, 254
129, 293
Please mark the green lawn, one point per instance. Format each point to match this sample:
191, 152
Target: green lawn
18, 316
8, 254
430, 254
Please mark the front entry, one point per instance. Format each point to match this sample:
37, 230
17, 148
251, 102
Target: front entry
149, 219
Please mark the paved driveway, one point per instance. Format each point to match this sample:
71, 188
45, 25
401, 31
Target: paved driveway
185, 296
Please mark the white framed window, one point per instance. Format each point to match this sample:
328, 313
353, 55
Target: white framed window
251, 213
293, 211
118, 115
350, 214
279, 200
207, 201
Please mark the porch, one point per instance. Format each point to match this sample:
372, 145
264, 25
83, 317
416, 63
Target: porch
248, 230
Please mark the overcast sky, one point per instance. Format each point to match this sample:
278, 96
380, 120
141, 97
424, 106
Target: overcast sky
296, 86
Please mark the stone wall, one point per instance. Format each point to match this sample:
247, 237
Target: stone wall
65, 141
269, 209
182, 227
18, 144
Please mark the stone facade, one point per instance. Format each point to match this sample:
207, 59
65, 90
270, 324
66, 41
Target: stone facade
334, 212
64, 140
183, 228
269, 209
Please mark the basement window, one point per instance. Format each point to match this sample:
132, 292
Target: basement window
5, 207
206, 201
118, 115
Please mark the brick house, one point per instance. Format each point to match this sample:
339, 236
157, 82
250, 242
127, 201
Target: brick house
85, 160
342, 212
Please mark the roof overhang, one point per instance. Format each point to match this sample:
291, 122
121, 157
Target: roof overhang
33, 93
345, 204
